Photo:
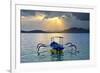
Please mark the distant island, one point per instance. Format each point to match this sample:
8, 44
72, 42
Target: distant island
70, 30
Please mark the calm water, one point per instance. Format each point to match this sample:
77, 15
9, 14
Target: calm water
29, 43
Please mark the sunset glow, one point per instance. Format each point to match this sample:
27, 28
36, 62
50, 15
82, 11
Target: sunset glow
54, 24
39, 17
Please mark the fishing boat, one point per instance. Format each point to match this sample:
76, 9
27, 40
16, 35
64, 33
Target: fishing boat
57, 46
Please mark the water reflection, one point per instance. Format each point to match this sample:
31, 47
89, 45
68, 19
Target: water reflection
46, 38
57, 57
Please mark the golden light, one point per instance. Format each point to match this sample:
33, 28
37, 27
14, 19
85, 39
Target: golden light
54, 24
39, 17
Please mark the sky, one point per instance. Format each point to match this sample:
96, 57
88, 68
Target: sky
53, 20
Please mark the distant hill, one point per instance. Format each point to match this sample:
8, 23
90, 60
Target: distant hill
70, 30
76, 30
33, 31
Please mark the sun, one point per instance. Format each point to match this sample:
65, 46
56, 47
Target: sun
55, 24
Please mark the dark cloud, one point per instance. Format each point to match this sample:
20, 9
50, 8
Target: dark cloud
48, 13
81, 16
27, 12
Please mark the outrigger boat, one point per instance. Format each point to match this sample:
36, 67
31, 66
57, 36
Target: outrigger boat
57, 47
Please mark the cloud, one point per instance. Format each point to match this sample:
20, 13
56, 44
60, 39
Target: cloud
76, 22
36, 20
27, 12
81, 16
31, 22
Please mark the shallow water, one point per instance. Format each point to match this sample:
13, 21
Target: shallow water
29, 43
